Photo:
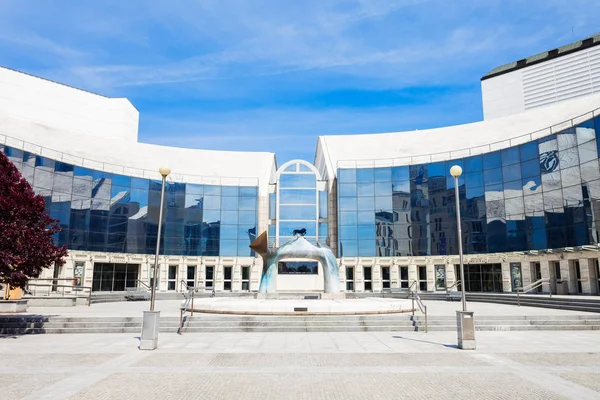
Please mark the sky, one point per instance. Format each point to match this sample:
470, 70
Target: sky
273, 75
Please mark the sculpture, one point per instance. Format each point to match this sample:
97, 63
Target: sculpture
298, 247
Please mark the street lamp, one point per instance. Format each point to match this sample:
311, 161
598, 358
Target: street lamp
164, 172
464, 319
456, 171
149, 337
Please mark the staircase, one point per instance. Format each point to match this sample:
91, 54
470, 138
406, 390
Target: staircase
587, 304
35, 324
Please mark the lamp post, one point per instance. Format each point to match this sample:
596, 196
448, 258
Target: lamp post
464, 319
149, 337
164, 172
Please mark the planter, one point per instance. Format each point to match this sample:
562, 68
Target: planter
13, 306
13, 293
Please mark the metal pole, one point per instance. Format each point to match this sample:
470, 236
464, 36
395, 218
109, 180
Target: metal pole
155, 270
460, 252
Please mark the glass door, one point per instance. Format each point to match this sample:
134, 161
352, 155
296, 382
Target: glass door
349, 279
368, 279
385, 277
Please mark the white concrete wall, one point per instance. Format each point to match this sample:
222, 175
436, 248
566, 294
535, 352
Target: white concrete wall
555, 80
48, 103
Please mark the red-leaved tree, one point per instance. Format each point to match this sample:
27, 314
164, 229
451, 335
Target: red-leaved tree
26, 242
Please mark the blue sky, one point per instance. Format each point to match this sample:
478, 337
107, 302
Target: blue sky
273, 75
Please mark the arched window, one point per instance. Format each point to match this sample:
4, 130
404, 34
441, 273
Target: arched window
297, 201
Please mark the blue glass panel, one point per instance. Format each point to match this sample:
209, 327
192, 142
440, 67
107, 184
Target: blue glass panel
117, 193
229, 217
348, 248
347, 175
248, 191
287, 228
472, 164
347, 204
510, 172
229, 203
229, 191
438, 169
474, 180
401, 187
229, 232
366, 203
323, 212
63, 167
140, 183
297, 212
383, 189
532, 185
323, 230
366, 248
80, 171
366, 232
39, 161
272, 205
247, 203
530, 168
349, 232
348, 218
212, 202
510, 156
193, 188
212, 190
383, 203
400, 174
298, 181
139, 196
228, 247
347, 189
492, 176
366, 189
366, 217
247, 217
297, 196
383, 174
492, 160
472, 193
365, 175
529, 151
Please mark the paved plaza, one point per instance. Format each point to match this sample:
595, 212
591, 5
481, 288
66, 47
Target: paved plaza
328, 365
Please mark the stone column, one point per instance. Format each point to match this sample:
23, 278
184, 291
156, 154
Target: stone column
565, 275
527, 273
545, 269
584, 269
413, 276
376, 283
506, 281
451, 274
430, 277
359, 283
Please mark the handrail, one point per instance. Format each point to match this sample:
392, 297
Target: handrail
189, 301
530, 287
422, 306
455, 284
56, 285
143, 284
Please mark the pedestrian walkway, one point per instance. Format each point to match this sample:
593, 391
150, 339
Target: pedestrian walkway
280, 366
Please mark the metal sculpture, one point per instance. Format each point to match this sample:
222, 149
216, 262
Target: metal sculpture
301, 248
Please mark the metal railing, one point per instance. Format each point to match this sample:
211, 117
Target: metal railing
122, 169
454, 285
470, 151
144, 284
189, 294
32, 288
530, 287
414, 296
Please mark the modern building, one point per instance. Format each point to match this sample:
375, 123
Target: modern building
552, 76
384, 203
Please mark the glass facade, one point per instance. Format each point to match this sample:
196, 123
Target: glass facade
538, 195
101, 211
302, 206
